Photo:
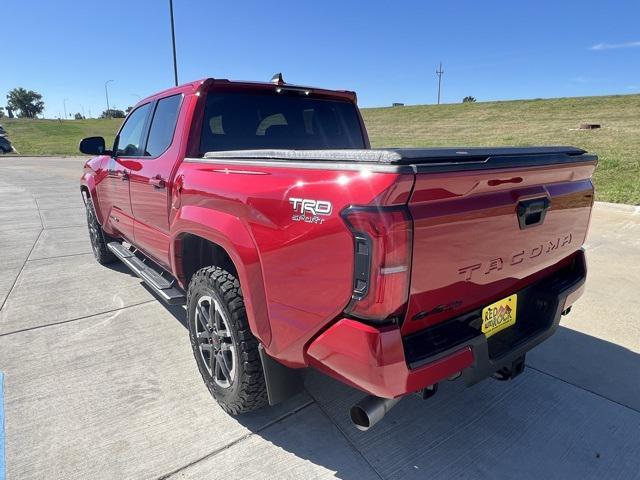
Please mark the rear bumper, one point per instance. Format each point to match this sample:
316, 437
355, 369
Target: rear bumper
381, 362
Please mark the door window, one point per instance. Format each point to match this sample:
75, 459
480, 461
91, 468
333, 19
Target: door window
163, 125
132, 132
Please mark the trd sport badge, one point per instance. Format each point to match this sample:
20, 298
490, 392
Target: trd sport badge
310, 211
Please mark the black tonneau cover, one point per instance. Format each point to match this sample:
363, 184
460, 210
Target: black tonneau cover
419, 159
457, 154
395, 156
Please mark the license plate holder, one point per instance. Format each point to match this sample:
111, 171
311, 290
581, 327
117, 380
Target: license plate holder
499, 315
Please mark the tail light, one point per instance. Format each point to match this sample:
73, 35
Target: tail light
382, 251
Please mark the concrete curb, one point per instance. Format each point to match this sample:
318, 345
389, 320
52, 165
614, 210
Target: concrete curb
620, 207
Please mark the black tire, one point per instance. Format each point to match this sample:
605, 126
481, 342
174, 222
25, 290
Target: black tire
244, 389
98, 238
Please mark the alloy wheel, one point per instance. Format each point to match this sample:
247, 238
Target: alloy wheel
215, 342
94, 234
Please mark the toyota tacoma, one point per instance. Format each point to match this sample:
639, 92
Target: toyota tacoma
293, 243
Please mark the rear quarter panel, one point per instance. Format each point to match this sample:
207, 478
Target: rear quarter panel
306, 266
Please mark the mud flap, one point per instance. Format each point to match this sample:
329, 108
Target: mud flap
282, 382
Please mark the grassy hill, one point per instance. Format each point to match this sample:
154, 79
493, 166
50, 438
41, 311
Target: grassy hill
528, 122
519, 123
56, 137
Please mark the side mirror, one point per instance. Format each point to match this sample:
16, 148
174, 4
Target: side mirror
93, 146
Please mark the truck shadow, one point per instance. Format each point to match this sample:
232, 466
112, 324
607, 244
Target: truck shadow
572, 411
122, 268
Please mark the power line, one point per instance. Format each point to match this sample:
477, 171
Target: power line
439, 72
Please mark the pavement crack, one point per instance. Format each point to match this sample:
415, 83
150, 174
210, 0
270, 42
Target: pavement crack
35, 200
26, 259
77, 318
236, 441
65, 226
346, 437
583, 388
58, 256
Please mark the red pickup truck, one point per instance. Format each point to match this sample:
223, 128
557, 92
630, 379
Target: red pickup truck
262, 207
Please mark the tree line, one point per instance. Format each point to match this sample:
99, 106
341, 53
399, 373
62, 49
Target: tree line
29, 104
24, 103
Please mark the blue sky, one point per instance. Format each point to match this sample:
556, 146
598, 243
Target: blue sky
386, 51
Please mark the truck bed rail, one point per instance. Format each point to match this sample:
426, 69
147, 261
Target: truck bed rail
405, 160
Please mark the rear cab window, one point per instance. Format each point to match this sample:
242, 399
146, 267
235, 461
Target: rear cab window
242, 121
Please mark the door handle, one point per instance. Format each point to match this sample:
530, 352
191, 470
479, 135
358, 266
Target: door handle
157, 182
532, 212
124, 176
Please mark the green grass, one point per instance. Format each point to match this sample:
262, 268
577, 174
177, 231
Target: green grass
528, 122
519, 123
56, 137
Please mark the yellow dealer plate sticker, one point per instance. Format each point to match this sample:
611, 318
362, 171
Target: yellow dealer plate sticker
499, 315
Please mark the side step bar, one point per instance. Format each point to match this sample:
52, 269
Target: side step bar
164, 287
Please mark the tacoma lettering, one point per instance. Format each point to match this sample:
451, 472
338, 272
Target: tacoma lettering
495, 264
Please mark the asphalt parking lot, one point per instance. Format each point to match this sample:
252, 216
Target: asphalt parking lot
100, 382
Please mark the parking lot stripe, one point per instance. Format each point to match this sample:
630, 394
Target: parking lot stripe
1, 426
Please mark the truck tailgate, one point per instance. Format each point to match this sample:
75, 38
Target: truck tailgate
481, 235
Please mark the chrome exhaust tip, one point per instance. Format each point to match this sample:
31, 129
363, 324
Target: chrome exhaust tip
370, 410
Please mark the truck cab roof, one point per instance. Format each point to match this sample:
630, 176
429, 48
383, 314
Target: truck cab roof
205, 84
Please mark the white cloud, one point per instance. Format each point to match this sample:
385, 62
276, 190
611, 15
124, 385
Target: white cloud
611, 46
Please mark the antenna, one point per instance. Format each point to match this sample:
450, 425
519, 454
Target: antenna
439, 72
277, 79
173, 44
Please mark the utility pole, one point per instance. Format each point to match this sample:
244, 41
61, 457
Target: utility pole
173, 42
439, 72
106, 93
64, 106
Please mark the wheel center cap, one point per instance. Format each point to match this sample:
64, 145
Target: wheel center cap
215, 341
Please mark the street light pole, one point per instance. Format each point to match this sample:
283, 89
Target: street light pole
439, 72
106, 94
173, 42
